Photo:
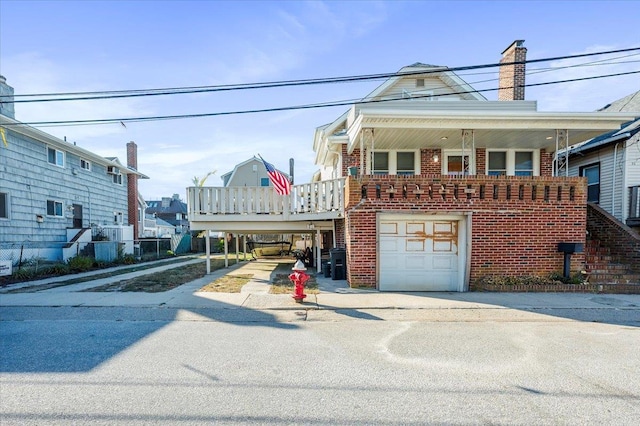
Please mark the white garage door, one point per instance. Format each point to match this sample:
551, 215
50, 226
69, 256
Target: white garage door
420, 253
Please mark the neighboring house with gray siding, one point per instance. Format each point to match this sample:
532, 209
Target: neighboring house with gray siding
171, 210
54, 193
611, 164
248, 173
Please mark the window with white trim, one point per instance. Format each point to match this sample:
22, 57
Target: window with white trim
592, 173
4, 205
454, 164
54, 208
511, 162
380, 163
395, 163
84, 164
55, 157
117, 178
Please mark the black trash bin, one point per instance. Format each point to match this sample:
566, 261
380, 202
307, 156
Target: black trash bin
338, 259
326, 268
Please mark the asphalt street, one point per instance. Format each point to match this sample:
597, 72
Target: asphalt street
342, 357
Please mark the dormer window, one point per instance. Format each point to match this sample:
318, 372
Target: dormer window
420, 82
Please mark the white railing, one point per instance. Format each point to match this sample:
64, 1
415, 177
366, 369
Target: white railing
314, 197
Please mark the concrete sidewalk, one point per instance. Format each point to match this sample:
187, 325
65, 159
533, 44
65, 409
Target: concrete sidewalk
333, 295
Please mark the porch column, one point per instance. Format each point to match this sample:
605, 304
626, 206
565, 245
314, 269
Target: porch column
562, 153
237, 249
207, 244
318, 252
226, 250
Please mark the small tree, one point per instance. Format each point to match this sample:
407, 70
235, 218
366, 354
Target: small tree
200, 181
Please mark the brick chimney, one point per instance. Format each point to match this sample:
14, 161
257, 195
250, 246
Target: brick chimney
512, 77
132, 189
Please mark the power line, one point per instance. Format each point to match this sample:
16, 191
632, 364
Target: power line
280, 109
77, 96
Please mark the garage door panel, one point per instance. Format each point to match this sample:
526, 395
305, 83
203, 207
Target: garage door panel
389, 245
448, 263
415, 244
415, 263
415, 228
389, 228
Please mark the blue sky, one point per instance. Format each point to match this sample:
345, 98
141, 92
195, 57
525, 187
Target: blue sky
68, 46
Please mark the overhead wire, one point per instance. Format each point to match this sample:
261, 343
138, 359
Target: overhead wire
285, 108
76, 96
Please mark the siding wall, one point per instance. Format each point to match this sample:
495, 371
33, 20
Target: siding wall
605, 158
632, 168
431, 84
30, 181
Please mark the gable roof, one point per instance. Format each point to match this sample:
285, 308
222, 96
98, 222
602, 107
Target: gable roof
627, 130
227, 177
418, 69
62, 145
630, 103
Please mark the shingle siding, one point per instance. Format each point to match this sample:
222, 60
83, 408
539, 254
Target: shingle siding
30, 180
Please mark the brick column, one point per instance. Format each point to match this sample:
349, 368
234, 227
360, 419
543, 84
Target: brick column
132, 188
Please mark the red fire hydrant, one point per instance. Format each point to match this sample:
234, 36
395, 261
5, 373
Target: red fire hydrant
299, 277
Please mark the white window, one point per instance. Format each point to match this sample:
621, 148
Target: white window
513, 162
592, 173
455, 164
54, 208
380, 163
55, 157
396, 163
117, 178
84, 164
4, 205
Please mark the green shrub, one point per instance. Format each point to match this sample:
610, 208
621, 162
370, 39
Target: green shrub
56, 269
80, 263
23, 274
128, 259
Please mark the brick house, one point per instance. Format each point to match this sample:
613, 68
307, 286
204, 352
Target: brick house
428, 186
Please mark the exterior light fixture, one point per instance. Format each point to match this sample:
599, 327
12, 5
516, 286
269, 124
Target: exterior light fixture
436, 158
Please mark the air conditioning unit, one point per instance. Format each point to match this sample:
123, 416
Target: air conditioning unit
113, 170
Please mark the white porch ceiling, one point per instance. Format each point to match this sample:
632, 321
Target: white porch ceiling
517, 130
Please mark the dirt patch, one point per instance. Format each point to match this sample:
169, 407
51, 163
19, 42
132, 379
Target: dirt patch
162, 281
227, 284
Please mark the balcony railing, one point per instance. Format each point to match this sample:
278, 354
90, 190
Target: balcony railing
329, 199
324, 198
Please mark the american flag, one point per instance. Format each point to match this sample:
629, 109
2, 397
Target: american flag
279, 181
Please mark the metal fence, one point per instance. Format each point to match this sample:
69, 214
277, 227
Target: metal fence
37, 252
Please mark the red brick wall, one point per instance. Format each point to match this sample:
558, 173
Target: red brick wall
427, 164
621, 240
132, 188
481, 161
546, 163
349, 160
514, 229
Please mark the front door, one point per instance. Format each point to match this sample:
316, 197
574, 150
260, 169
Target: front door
77, 216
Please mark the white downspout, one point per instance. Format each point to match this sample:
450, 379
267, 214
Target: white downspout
613, 185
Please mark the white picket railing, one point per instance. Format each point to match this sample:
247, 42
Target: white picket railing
316, 197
